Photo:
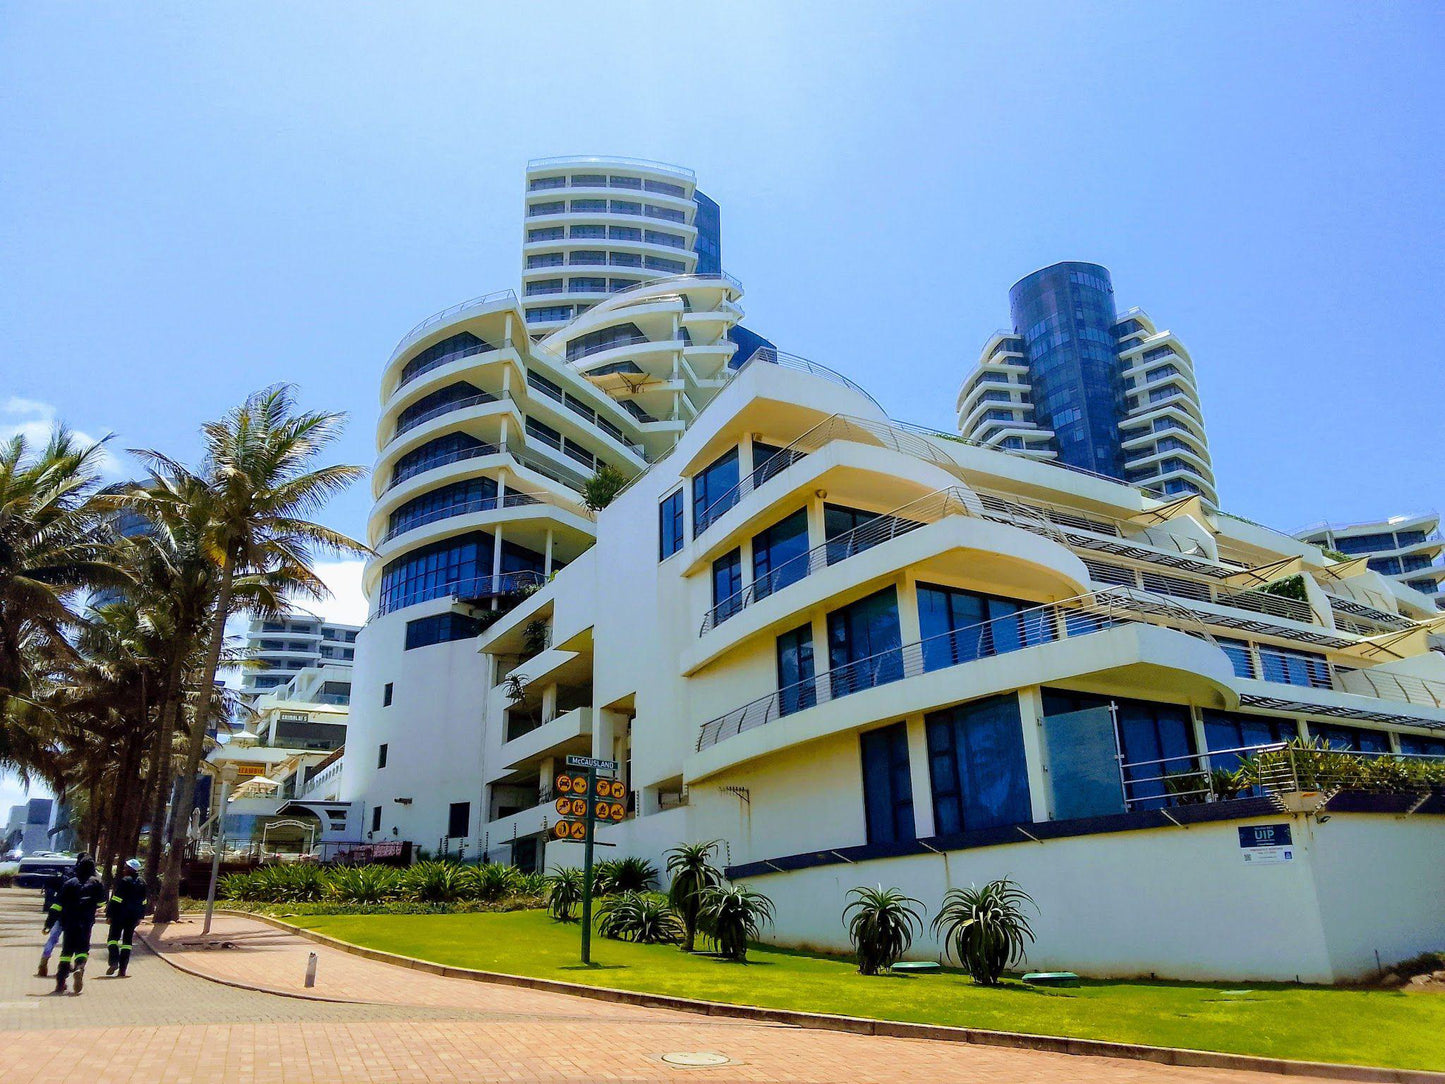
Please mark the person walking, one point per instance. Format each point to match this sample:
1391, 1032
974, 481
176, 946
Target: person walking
80, 895
51, 905
124, 909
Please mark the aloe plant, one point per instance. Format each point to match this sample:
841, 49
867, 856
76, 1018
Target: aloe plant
882, 923
564, 893
692, 873
733, 915
630, 874
985, 928
643, 917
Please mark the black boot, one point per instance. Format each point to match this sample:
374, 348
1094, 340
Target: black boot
61, 974
79, 977
43, 971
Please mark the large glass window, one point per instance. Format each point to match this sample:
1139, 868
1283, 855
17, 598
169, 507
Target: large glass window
796, 690
887, 785
1415, 745
459, 817
440, 629
1156, 740
960, 626
471, 495
434, 453
1351, 738
669, 525
461, 345
780, 554
716, 481
1228, 730
727, 582
976, 758
435, 571
769, 459
1239, 655
596, 341
840, 529
864, 644
1288, 666
451, 397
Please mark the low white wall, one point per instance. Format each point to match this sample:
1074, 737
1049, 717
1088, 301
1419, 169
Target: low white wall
1176, 903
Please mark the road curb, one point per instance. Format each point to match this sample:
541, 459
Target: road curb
169, 958
1162, 1055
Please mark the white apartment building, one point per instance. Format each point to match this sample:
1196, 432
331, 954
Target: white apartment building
278, 649
858, 652
1405, 549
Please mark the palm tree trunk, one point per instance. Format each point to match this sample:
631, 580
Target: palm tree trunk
161, 767
126, 802
168, 906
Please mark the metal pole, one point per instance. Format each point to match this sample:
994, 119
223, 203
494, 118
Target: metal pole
217, 842
587, 866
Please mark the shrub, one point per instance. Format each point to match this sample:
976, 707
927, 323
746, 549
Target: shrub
436, 882
985, 928
629, 874
531, 884
643, 917
882, 924
732, 915
364, 884
237, 886
564, 893
692, 872
292, 883
598, 491
493, 881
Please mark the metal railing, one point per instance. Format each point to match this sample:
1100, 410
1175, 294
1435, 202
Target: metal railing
773, 356
574, 356
1033, 627
883, 527
400, 475
452, 312
482, 504
1383, 685
445, 359
404, 426
595, 160
474, 588
1272, 768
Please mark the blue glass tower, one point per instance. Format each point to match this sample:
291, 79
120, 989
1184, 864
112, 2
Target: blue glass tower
708, 246
1065, 315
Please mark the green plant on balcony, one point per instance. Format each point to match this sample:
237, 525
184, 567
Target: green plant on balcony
1289, 587
536, 637
1315, 765
599, 490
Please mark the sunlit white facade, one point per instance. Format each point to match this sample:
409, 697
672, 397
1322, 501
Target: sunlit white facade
1404, 549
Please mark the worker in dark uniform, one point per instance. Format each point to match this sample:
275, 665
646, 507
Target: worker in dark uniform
80, 895
50, 888
123, 911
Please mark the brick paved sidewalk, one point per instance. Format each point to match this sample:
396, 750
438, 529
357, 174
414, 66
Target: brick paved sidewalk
162, 1026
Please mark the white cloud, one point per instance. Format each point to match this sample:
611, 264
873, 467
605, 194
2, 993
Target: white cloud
35, 421
347, 604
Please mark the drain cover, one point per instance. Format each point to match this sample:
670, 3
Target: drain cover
696, 1059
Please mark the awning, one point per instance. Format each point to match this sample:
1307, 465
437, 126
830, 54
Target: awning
1265, 574
1343, 570
1192, 505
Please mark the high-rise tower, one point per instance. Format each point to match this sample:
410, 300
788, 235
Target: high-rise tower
1077, 382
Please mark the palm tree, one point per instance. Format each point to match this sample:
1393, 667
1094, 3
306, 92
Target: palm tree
53, 546
692, 872
257, 485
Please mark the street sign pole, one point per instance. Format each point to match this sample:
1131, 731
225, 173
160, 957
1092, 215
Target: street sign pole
587, 865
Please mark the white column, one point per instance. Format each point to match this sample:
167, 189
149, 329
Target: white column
1036, 754
921, 778
547, 560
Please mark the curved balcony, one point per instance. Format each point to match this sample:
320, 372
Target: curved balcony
1080, 643
460, 311
475, 589
464, 508
480, 399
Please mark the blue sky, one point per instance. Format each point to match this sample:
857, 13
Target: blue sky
198, 200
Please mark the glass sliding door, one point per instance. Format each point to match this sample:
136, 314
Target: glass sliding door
887, 785
977, 766
796, 690
864, 644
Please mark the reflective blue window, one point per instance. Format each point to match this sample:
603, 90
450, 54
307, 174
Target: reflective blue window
463, 344
1351, 738
1156, 741
887, 785
439, 629
864, 643
780, 554
796, 690
1291, 667
1239, 656
669, 525
459, 498
976, 759
727, 581
452, 397
1228, 730
708, 245
960, 626
1415, 745
435, 453
715, 482
435, 571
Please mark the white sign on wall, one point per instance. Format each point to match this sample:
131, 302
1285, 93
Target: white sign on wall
1266, 844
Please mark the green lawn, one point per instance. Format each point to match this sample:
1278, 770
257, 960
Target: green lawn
1312, 1023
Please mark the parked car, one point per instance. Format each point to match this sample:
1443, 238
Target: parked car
34, 868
